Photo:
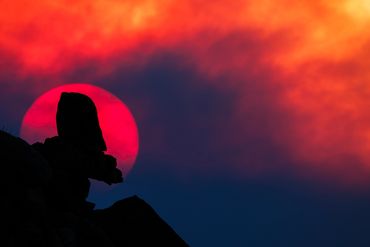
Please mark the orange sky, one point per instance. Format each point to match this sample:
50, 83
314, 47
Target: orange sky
319, 51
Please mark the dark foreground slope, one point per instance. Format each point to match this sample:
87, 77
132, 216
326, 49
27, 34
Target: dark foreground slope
26, 219
132, 222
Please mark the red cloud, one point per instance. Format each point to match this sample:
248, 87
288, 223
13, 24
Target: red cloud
305, 66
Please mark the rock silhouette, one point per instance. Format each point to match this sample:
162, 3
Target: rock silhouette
44, 187
76, 154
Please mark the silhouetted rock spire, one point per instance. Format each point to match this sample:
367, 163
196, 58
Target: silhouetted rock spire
77, 121
76, 154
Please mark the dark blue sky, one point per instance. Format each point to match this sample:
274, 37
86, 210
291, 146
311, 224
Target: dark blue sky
217, 210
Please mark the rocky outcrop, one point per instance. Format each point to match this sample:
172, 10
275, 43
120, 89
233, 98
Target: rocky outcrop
27, 220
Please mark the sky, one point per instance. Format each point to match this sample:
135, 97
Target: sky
253, 117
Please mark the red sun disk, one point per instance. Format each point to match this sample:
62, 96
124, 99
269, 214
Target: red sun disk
116, 121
